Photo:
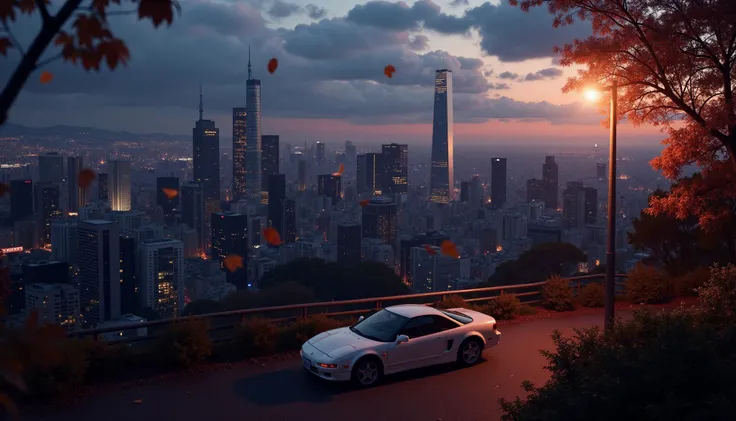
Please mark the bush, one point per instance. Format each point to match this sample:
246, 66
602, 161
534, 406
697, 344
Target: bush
106, 361
592, 295
295, 334
718, 294
185, 344
451, 301
55, 377
504, 307
255, 337
655, 367
688, 283
527, 310
557, 294
646, 285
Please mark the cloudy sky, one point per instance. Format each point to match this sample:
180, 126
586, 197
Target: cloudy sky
330, 84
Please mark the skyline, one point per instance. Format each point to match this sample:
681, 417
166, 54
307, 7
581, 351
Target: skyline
329, 83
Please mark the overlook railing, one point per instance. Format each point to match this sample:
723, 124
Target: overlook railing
220, 323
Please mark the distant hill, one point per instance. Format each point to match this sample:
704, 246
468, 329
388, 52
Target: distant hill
11, 129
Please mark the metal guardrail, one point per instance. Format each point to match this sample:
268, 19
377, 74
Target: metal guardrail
237, 316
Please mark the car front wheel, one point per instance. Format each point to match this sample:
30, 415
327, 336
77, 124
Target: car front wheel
367, 372
469, 352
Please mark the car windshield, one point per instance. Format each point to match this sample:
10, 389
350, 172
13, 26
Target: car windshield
456, 315
382, 326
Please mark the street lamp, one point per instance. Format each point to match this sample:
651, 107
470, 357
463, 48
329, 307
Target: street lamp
593, 95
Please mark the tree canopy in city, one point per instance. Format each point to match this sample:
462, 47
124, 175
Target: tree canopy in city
675, 62
87, 42
538, 263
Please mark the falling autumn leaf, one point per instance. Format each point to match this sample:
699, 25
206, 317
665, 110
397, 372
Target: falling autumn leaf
448, 248
273, 64
170, 193
272, 236
339, 171
46, 77
233, 262
85, 177
389, 70
4, 188
363, 203
429, 250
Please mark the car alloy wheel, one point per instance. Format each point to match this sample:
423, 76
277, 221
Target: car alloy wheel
470, 352
367, 372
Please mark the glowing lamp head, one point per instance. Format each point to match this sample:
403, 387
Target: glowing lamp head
592, 95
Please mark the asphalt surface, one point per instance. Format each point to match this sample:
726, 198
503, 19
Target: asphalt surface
283, 391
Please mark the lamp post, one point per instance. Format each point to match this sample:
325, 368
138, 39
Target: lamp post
610, 285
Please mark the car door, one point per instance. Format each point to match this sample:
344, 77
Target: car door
425, 344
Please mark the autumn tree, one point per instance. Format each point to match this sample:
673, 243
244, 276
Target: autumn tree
674, 61
78, 29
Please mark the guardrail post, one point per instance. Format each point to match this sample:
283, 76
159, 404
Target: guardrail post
305, 313
378, 305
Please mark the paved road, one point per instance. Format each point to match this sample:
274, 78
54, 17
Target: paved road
282, 391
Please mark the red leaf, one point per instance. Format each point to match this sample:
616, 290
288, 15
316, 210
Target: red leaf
85, 177
272, 236
26, 6
46, 77
363, 203
272, 65
170, 193
233, 262
157, 10
389, 70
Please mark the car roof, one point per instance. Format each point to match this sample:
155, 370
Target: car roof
413, 310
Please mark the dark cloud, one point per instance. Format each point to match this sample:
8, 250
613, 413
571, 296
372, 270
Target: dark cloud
281, 9
315, 12
544, 74
328, 69
456, 3
508, 75
419, 42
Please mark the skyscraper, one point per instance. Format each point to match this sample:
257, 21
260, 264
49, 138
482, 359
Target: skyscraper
77, 195
579, 205
206, 159
288, 216
103, 187
50, 168
119, 185
47, 208
161, 276
370, 173
551, 182
498, 182
600, 171
396, 168
442, 176
239, 146
534, 190
330, 185
276, 193
253, 185
99, 271
167, 195
21, 201
269, 161
192, 211
129, 287
302, 174
320, 154
348, 243
379, 220
465, 191
230, 237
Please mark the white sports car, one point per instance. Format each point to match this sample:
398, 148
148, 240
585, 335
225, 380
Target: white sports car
399, 338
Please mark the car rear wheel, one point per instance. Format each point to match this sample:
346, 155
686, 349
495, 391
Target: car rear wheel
367, 372
469, 352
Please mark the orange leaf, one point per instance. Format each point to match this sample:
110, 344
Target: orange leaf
46, 77
272, 236
339, 171
157, 10
448, 248
364, 203
5, 44
85, 177
233, 262
272, 65
389, 70
170, 193
428, 248
4, 188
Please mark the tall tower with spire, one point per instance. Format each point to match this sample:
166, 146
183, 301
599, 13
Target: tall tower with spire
253, 136
206, 160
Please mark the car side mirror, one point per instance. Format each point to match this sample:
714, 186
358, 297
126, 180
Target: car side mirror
401, 339
361, 318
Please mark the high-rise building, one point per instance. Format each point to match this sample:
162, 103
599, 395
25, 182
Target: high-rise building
320, 153
21, 201
50, 168
600, 171
551, 182
50, 272
476, 192
119, 185
498, 182
405, 255
103, 189
276, 193
206, 160
253, 184
47, 208
230, 237
579, 205
465, 191
379, 220
351, 154
348, 243
330, 185
129, 288
288, 216
303, 174
239, 146
64, 240
56, 304
161, 276
370, 173
192, 211
167, 196
396, 168
442, 176
534, 190
99, 271
77, 194
269, 161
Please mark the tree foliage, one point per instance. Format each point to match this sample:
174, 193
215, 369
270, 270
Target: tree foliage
80, 32
675, 61
537, 264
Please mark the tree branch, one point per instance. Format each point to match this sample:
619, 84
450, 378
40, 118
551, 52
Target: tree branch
13, 39
48, 60
45, 17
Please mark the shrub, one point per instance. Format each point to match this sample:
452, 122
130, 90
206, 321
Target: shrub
295, 334
646, 285
718, 294
185, 344
256, 337
592, 295
55, 371
527, 310
106, 361
655, 367
557, 294
451, 301
504, 307
688, 283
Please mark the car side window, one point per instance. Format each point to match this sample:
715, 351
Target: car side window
442, 324
418, 326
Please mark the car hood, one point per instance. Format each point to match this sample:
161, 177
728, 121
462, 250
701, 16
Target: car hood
338, 342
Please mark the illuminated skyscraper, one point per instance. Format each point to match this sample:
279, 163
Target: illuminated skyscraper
370, 173
442, 179
396, 168
77, 194
192, 211
498, 182
320, 154
230, 237
253, 183
379, 220
47, 208
99, 271
239, 145
119, 193
269, 161
206, 157
161, 276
